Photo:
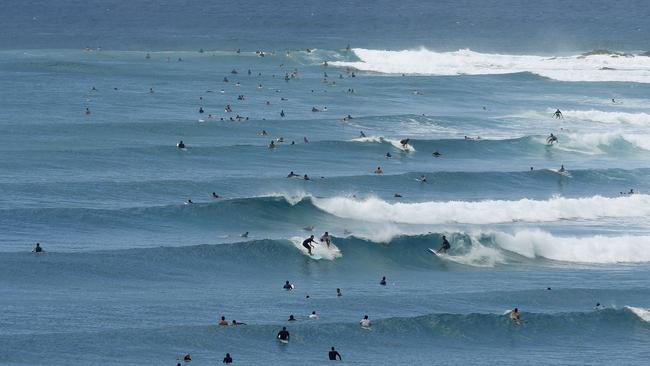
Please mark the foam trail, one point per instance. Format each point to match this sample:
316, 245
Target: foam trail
321, 249
595, 67
593, 249
485, 212
644, 314
593, 143
380, 139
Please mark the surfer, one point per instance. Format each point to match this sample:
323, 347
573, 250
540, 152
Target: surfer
558, 114
333, 354
423, 179
236, 323
404, 143
283, 335
383, 281
187, 358
326, 238
189, 202
244, 235
514, 316
378, 170
436, 153
388, 155
304, 139
282, 113
291, 318
306, 177
292, 174
551, 139
215, 195
562, 170
227, 359
361, 134
338, 292
365, 322
397, 195
201, 110
37, 248
223, 322
287, 285
87, 111
307, 243
313, 316
445, 246
180, 145
272, 145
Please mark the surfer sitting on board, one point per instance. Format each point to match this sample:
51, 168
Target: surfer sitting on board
307, 243
514, 316
326, 238
37, 248
445, 246
365, 322
333, 354
287, 286
562, 170
283, 335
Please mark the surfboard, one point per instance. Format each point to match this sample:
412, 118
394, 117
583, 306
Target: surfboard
283, 341
366, 328
315, 257
433, 251
564, 173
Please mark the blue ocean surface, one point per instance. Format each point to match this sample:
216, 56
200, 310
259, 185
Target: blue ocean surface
387, 125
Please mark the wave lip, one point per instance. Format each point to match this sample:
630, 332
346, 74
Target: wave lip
485, 212
592, 67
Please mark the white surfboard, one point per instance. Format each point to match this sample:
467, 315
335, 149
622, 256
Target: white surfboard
433, 251
283, 341
564, 173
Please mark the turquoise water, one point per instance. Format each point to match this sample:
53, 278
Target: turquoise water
133, 275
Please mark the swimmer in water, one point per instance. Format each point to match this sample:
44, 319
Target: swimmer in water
383, 281
223, 322
272, 145
338, 292
306, 177
313, 316
378, 170
307, 243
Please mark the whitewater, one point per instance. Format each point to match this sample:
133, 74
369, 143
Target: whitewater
293, 118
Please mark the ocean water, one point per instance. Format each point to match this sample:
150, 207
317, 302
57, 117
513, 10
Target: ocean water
133, 275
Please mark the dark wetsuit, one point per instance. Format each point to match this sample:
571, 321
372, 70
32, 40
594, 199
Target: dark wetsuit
334, 354
307, 243
227, 359
283, 335
445, 246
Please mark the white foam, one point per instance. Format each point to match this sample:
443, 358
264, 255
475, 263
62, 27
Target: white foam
570, 68
626, 118
485, 212
644, 314
592, 249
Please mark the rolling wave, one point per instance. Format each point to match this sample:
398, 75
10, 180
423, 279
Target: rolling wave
487, 211
593, 67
